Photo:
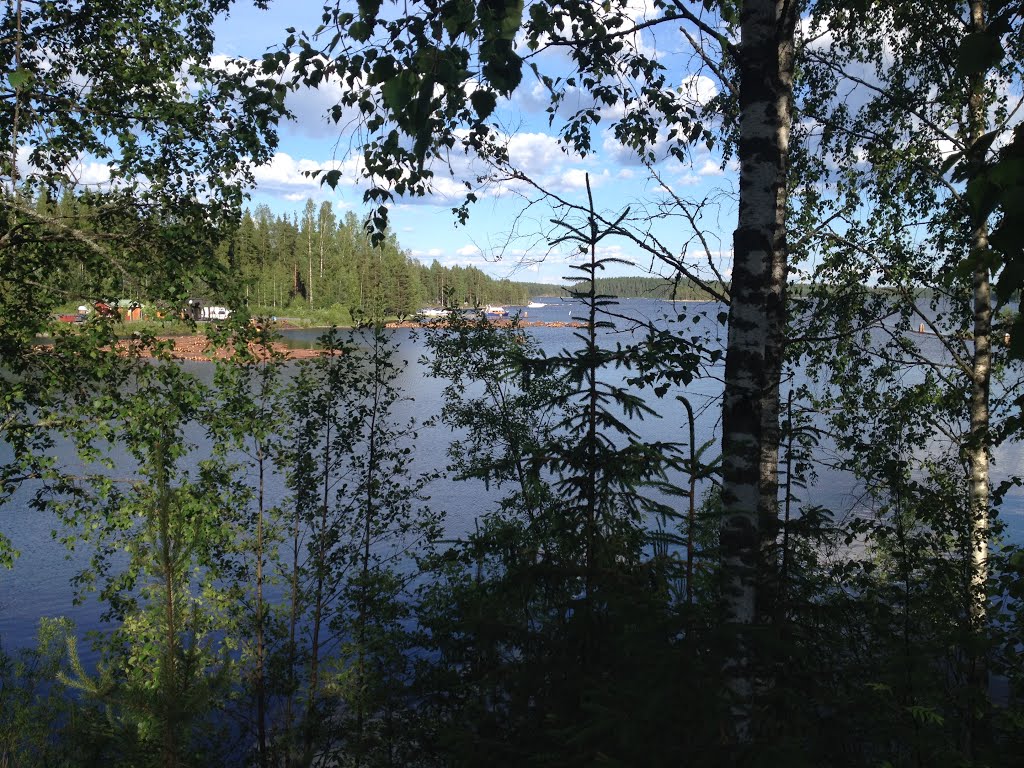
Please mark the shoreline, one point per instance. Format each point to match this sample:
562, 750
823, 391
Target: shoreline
440, 323
197, 348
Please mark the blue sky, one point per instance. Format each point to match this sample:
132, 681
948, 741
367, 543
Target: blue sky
505, 236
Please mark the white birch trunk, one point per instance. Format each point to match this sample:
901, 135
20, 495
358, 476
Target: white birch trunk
757, 314
978, 453
981, 369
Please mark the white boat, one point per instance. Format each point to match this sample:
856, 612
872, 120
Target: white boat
535, 305
432, 312
495, 311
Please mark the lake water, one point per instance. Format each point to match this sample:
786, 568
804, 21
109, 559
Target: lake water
39, 583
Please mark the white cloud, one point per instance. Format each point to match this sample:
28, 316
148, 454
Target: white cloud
813, 34
640, 10
614, 251
698, 88
428, 255
710, 168
444, 190
576, 178
536, 98
25, 168
534, 153
310, 107
637, 11
286, 177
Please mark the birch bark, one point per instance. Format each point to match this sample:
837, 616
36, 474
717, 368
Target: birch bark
757, 316
981, 362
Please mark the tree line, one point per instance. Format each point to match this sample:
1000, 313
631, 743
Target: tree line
277, 262
639, 287
280, 262
315, 261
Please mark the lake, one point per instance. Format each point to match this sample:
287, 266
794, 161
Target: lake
39, 583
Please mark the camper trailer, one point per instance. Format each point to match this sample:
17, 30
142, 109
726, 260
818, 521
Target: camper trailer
198, 310
215, 313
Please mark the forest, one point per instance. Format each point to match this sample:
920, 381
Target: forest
316, 261
645, 287
280, 581
280, 263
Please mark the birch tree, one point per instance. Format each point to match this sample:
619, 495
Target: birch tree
757, 325
924, 108
413, 69
116, 110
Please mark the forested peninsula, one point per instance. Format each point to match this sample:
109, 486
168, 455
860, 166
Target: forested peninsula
315, 260
312, 260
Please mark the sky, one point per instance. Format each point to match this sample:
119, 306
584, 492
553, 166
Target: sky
505, 236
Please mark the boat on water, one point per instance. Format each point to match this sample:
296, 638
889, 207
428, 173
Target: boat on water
492, 311
432, 312
535, 305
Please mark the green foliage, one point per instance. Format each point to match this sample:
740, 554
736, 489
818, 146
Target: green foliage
552, 622
175, 185
131, 90
420, 60
511, 419
357, 511
245, 418
580, 622
162, 674
34, 729
335, 273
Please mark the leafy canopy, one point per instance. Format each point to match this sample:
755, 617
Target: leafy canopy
425, 80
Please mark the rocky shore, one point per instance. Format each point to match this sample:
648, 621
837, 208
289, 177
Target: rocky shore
198, 348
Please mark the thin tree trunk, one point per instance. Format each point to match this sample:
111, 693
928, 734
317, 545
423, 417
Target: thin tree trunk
318, 599
321, 251
978, 460
293, 622
981, 364
787, 512
754, 352
261, 675
169, 678
15, 127
691, 520
364, 601
978, 440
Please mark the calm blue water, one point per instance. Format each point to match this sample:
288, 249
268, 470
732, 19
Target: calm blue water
39, 584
